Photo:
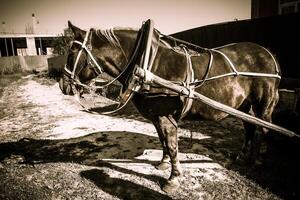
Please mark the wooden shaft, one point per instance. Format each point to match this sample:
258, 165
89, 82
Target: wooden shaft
148, 45
214, 104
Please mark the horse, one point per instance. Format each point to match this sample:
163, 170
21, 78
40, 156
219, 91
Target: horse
111, 50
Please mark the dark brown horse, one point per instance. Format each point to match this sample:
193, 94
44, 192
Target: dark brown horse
112, 49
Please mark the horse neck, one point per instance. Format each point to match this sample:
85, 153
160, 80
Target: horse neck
126, 41
127, 38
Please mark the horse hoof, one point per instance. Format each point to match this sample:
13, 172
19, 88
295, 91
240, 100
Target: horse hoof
171, 185
163, 166
245, 159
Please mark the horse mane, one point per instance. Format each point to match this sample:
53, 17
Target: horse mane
109, 34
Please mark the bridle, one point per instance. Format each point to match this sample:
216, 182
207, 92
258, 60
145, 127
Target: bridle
87, 48
73, 75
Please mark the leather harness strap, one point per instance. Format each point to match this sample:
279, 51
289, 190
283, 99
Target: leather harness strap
188, 100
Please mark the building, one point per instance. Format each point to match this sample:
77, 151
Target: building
26, 44
30, 43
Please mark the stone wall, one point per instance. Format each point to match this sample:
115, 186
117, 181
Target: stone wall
23, 63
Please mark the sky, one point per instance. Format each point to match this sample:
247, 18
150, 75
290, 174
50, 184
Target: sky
170, 16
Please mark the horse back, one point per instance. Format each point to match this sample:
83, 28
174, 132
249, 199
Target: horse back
235, 89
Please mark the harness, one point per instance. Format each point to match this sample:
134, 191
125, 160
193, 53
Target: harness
143, 57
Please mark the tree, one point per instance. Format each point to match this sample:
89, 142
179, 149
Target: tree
62, 43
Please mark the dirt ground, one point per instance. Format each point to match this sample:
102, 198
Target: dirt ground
51, 149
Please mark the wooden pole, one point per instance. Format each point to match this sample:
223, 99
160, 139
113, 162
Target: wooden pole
214, 104
148, 45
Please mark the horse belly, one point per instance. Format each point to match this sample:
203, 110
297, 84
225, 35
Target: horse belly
151, 107
231, 92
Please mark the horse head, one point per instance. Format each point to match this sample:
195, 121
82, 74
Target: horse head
91, 53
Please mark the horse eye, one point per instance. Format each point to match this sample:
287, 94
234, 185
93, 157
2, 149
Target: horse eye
74, 47
73, 50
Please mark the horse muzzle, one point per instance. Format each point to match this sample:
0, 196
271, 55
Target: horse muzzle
65, 86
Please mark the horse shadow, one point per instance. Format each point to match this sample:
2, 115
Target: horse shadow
90, 150
123, 189
277, 170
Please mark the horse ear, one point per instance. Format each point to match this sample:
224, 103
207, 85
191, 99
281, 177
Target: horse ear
78, 33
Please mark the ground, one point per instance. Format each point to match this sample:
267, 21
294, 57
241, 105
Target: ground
51, 149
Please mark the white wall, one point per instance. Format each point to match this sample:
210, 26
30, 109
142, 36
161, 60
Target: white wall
31, 48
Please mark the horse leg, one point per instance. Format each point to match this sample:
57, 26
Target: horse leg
249, 128
169, 128
263, 110
165, 161
253, 141
269, 103
250, 134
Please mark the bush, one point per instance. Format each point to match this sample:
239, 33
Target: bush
10, 70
